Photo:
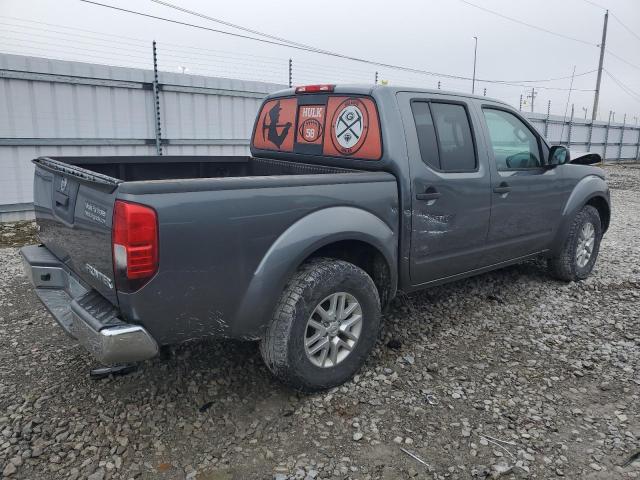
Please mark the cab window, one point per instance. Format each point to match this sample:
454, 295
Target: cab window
514, 145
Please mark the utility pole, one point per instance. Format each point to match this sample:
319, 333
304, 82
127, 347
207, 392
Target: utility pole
475, 56
532, 96
596, 96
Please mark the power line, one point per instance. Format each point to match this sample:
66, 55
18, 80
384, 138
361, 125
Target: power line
70, 34
515, 83
542, 80
72, 47
338, 55
171, 52
521, 22
547, 88
233, 25
135, 48
627, 28
201, 27
621, 59
140, 40
288, 45
257, 32
116, 62
594, 4
625, 88
73, 28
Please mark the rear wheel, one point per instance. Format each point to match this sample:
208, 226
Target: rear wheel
580, 249
325, 325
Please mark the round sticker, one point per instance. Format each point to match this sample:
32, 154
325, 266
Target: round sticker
310, 130
350, 124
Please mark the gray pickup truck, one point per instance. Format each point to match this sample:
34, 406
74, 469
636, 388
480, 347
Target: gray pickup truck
350, 193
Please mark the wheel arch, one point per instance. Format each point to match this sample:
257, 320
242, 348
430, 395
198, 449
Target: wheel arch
591, 190
346, 233
600, 203
365, 256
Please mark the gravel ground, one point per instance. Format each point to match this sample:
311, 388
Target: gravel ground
507, 375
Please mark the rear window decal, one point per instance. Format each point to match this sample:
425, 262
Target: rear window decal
275, 125
331, 125
311, 123
350, 125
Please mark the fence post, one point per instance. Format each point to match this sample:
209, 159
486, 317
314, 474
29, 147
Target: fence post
570, 127
156, 101
606, 137
546, 120
624, 121
520, 108
290, 73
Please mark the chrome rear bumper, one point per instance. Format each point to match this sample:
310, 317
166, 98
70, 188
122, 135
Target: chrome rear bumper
83, 313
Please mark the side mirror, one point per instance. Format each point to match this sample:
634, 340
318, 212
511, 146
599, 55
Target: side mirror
558, 155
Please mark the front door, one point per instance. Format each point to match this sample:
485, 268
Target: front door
450, 186
527, 197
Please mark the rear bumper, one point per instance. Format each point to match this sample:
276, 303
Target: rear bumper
83, 313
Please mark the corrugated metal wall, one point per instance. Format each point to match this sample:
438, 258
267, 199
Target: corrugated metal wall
57, 107
614, 141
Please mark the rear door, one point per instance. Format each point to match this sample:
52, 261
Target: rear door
527, 198
74, 210
450, 186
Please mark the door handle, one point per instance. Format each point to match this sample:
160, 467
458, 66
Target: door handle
430, 193
502, 188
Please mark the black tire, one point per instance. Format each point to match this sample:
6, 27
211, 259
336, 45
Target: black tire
565, 266
283, 345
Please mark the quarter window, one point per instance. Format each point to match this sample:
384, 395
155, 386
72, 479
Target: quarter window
426, 134
514, 145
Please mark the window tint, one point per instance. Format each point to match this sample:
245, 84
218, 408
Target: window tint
455, 141
426, 134
514, 145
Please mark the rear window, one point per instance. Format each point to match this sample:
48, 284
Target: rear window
328, 125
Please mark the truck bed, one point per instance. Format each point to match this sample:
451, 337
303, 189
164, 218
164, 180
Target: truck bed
223, 223
135, 169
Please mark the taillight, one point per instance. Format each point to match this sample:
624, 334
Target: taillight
135, 244
315, 88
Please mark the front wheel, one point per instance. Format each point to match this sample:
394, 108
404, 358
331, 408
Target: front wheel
324, 327
580, 249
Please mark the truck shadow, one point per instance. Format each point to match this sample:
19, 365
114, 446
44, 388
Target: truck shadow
224, 366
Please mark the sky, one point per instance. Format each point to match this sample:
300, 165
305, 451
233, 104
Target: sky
431, 35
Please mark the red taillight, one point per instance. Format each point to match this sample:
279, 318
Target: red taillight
315, 88
135, 242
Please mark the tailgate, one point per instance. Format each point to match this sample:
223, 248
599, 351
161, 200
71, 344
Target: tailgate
74, 210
